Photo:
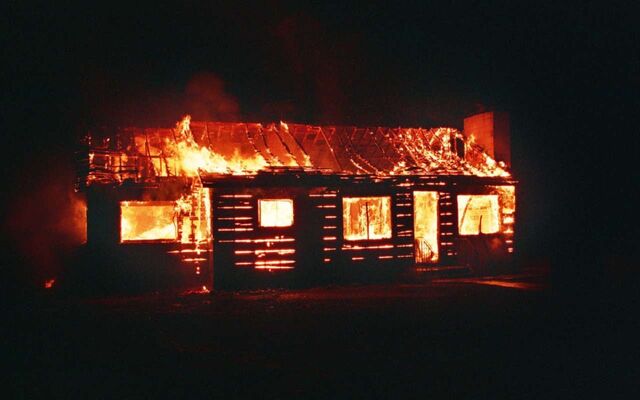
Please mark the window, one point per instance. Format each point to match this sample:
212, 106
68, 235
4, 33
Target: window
275, 212
478, 214
147, 220
366, 218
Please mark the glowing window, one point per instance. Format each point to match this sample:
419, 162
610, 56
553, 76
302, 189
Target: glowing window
275, 212
147, 220
478, 214
366, 218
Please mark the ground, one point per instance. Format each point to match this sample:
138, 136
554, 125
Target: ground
505, 336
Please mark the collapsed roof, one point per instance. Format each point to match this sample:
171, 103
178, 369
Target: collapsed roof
247, 148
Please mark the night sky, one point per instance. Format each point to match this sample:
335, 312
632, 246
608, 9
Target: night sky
568, 75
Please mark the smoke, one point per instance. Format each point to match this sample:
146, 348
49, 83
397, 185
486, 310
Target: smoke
45, 221
112, 100
205, 98
317, 67
328, 74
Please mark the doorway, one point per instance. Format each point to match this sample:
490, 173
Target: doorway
425, 227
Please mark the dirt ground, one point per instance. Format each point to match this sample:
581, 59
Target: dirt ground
506, 336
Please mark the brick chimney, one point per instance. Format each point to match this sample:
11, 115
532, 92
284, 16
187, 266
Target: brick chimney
491, 132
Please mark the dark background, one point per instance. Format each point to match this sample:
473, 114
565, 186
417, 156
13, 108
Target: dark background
568, 74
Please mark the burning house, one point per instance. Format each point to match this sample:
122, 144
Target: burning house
247, 204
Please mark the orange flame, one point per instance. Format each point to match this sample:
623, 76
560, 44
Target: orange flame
367, 218
186, 220
193, 157
141, 220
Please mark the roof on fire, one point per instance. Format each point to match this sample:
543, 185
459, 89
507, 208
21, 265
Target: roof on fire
336, 149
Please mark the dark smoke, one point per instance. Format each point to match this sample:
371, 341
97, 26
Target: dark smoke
45, 222
112, 101
205, 98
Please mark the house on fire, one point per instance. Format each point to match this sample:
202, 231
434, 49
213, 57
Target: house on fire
247, 204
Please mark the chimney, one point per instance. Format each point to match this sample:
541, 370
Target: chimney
491, 132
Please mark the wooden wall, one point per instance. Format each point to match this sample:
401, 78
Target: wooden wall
313, 249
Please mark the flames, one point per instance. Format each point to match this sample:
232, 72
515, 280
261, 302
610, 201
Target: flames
193, 216
179, 154
193, 158
142, 220
478, 214
367, 218
425, 226
488, 213
507, 199
417, 150
441, 151
186, 220
485, 165
191, 148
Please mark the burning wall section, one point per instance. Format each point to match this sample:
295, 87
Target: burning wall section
351, 225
